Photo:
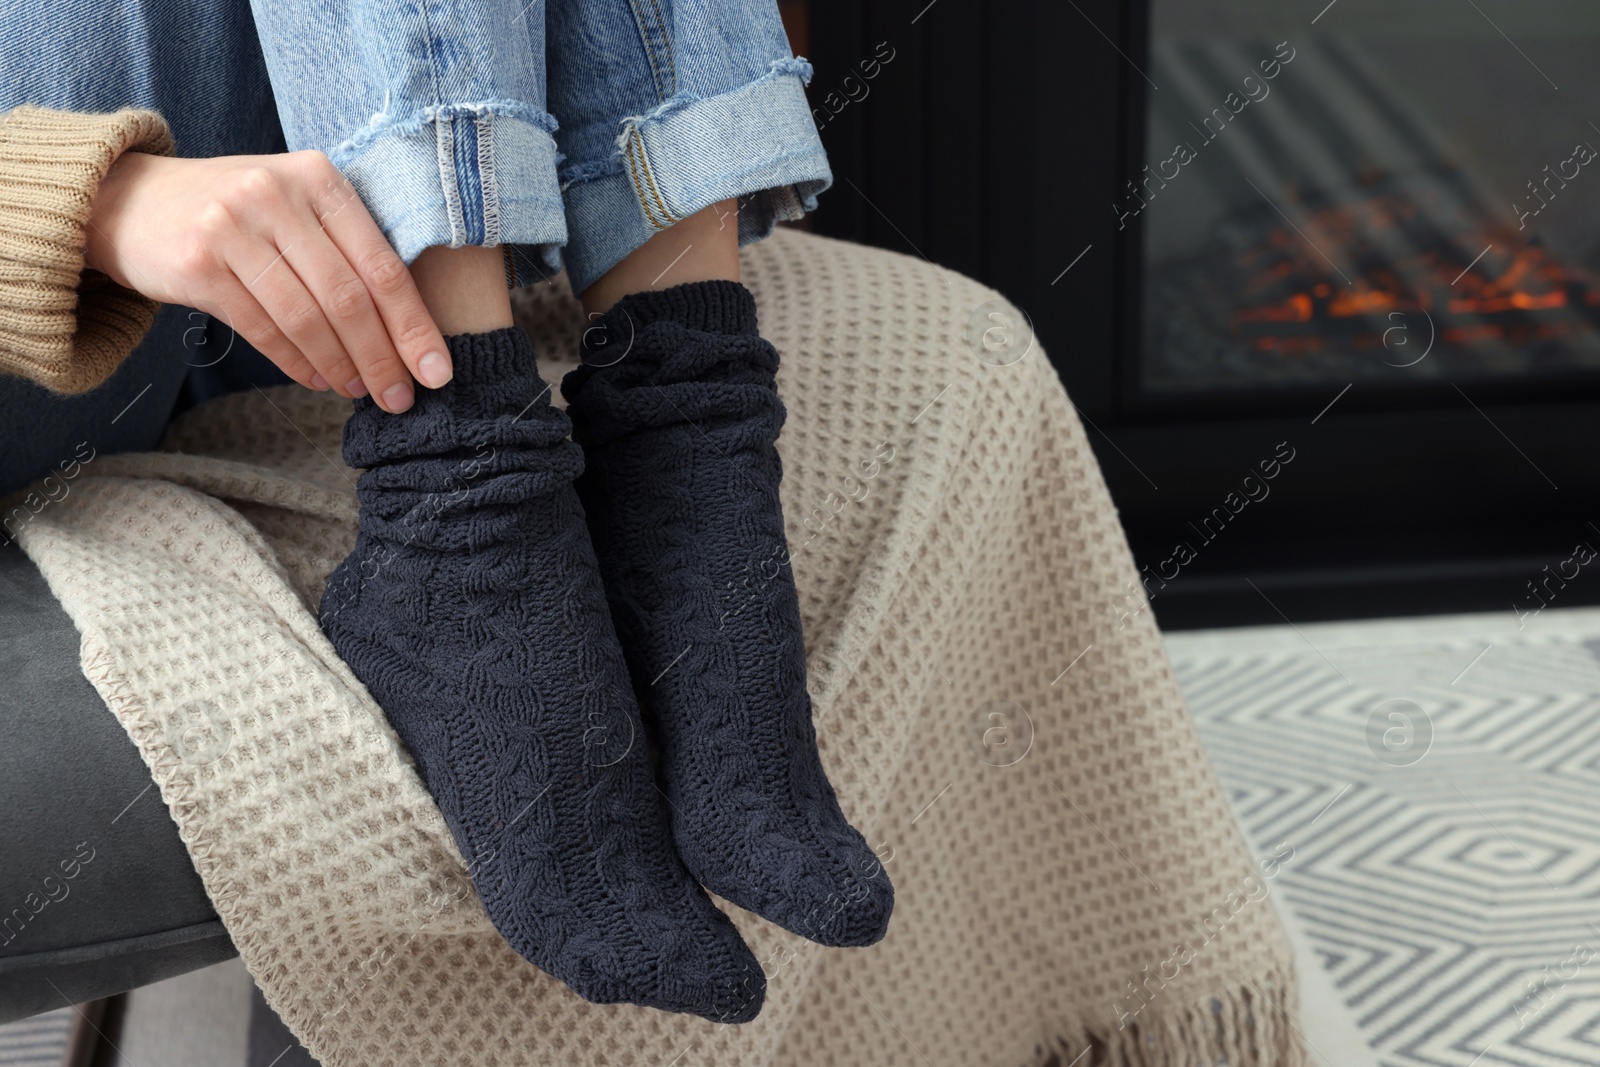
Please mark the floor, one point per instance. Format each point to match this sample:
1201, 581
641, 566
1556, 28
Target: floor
37, 1042
1437, 782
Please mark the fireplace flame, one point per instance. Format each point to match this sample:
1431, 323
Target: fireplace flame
1517, 292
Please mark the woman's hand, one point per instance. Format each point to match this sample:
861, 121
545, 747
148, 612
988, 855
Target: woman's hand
282, 250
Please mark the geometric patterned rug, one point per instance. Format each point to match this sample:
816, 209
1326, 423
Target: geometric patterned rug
1435, 787
39, 1041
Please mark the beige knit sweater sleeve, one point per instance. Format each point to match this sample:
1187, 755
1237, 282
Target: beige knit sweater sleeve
61, 324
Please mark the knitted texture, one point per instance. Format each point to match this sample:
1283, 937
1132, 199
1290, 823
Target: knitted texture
678, 413
472, 610
62, 326
955, 552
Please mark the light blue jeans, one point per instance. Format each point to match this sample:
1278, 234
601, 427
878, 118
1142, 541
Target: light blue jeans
570, 127
561, 130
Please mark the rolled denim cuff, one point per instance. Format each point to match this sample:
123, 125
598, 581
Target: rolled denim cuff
757, 143
463, 174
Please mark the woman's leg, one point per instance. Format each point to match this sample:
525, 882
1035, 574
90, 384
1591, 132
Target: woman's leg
471, 607
703, 247
687, 133
464, 288
668, 109
196, 62
465, 292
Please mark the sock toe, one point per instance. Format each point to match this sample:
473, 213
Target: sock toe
719, 980
472, 610
829, 888
681, 493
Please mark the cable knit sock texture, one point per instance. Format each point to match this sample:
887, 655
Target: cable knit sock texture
677, 410
473, 611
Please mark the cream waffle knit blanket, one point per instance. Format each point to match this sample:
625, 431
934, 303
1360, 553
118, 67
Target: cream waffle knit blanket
993, 705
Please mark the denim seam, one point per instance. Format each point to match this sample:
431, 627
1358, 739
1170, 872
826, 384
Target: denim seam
617, 161
666, 41
487, 181
638, 190
444, 142
704, 190
727, 183
418, 121
433, 61
645, 42
469, 182
630, 144
649, 178
638, 193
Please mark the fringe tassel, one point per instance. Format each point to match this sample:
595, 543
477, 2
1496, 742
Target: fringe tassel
1251, 1026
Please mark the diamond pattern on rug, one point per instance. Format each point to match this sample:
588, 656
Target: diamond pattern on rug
39, 1041
1440, 792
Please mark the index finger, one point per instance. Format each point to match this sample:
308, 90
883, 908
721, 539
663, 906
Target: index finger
415, 335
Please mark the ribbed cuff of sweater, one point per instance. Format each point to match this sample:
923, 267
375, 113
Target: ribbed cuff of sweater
61, 325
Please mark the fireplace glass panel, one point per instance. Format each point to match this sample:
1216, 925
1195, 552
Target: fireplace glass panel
1391, 192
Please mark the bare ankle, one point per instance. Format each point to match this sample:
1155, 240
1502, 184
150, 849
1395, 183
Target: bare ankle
701, 248
464, 288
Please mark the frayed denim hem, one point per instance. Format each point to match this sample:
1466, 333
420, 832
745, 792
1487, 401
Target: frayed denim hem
461, 174
795, 66
757, 143
381, 125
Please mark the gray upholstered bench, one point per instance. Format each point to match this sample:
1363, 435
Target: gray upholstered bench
97, 893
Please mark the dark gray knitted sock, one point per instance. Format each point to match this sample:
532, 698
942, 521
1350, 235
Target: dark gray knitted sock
678, 413
472, 610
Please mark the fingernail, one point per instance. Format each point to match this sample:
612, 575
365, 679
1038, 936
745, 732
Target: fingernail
318, 382
356, 387
397, 397
434, 370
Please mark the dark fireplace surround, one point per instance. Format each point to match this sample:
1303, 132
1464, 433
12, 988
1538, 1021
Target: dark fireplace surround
1008, 140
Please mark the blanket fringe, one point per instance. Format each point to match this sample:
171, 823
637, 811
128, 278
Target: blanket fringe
1248, 1026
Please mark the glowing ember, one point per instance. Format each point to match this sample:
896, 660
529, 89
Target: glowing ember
1516, 293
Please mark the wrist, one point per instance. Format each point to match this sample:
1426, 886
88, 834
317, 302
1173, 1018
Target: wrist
106, 211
